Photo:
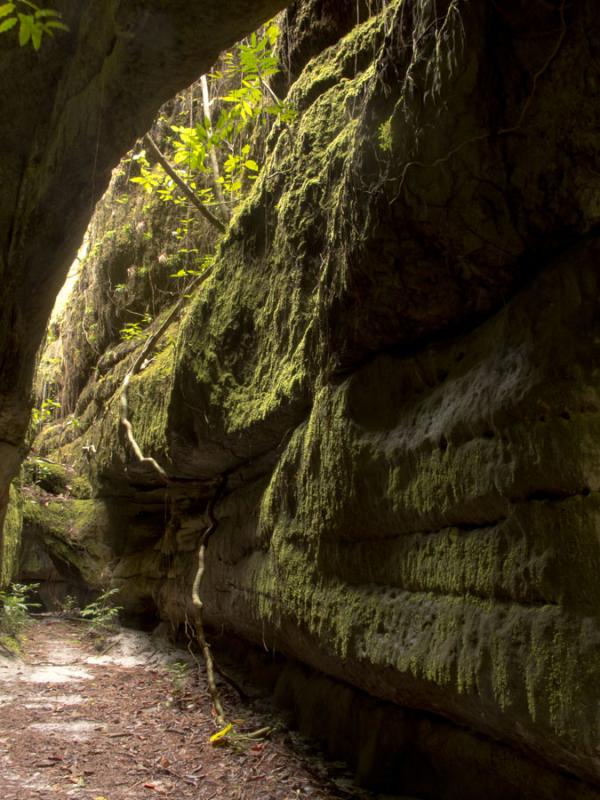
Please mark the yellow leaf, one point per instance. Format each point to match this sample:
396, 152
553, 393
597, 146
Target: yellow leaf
220, 734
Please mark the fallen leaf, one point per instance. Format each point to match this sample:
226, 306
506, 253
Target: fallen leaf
220, 734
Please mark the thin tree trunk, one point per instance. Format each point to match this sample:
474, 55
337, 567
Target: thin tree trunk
211, 150
189, 193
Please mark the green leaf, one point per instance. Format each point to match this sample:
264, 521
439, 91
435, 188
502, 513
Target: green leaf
251, 164
36, 37
6, 9
46, 12
25, 28
54, 23
273, 32
8, 24
220, 734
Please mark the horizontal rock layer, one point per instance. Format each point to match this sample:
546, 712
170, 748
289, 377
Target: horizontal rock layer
395, 365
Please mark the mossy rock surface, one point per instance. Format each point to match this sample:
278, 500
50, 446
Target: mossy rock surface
396, 364
11, 538
50, 477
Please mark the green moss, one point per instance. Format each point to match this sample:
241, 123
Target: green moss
49, 476
361, 558
148, 396
72, 532
11, 538
252, 349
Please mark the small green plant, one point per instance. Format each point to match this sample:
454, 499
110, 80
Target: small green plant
201, 265
73, 422
214, 158
69, 604
31, 20
14, 610
102, 615
135, 330
43, 414
179, 673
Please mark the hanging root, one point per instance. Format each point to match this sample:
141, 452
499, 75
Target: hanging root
136, 367
128, 428
211, 667
197, 603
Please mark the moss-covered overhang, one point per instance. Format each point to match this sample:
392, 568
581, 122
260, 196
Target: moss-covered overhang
69, 112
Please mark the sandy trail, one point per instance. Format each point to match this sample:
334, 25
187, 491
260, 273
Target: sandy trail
76, 725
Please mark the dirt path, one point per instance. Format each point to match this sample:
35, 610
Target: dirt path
75, 725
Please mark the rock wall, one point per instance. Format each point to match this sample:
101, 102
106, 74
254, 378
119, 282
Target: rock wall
70, 112
395, 367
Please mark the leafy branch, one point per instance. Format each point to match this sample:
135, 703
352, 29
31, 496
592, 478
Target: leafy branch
213, 160
187, 191
32, 21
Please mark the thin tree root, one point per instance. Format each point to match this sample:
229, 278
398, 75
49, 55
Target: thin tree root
128, 428
514, 128
198, 606
137, 365
201, 639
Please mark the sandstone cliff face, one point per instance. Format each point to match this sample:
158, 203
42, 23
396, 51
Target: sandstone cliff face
70, 112
395, 367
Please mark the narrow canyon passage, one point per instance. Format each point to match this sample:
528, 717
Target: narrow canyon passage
323, 385
78, 724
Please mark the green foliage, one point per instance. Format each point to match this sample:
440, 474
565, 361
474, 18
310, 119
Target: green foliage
135, 330
202, 265
102, 615
43, 414
248, 103
31, 21
15, 607
73, 422
69, 604
179, 673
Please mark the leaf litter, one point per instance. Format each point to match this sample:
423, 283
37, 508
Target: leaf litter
119, 726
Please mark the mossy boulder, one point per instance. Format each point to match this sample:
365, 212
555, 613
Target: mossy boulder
56, 479
49, 476
65, 547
